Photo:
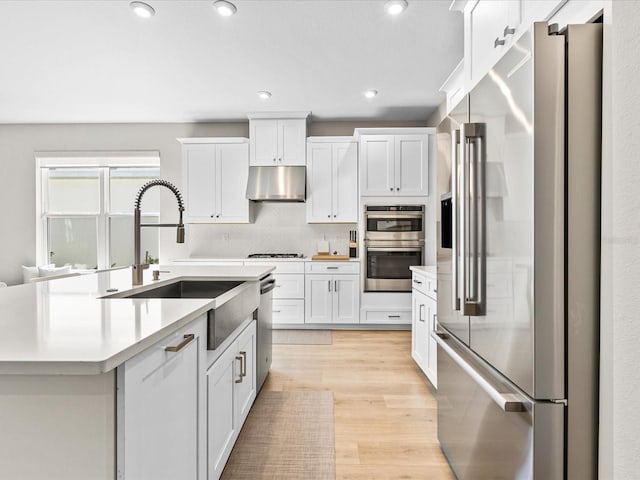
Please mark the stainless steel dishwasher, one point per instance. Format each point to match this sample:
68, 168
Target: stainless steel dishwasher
264, 324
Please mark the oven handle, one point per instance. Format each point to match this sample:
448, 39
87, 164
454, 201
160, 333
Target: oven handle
391, 248
394, 215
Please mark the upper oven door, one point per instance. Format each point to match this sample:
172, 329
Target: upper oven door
394, 226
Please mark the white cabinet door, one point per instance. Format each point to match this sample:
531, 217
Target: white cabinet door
419, 330
199, 178
277, 141
377, 165
232, 164
292, 136
345, 182
394, 165
346, 298
319, 182
158, 410
411, 165
215, 180
332, 182
263, 139
318, 299
432, 347
222, 425
488, 21
246, 389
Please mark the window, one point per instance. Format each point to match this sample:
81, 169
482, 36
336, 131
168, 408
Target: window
86, 209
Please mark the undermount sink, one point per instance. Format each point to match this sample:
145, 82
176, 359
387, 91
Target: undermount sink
188, 289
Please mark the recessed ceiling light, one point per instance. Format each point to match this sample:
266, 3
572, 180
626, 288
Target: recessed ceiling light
142, 9
370, 93
264, 95
224, 8
395, 7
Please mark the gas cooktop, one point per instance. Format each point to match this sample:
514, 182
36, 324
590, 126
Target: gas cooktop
275, 255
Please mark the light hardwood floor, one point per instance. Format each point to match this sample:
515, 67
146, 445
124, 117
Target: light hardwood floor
384, 409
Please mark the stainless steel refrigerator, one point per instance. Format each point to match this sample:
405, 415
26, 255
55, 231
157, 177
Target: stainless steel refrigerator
518, 263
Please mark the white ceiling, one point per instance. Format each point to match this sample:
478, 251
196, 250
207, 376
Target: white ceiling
95, 61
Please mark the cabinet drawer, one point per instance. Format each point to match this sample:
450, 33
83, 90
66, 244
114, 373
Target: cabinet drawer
288, 311
425, 284
289, 285
332, 267
387, 316
281, 267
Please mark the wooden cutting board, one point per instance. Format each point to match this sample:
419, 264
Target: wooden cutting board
328, 256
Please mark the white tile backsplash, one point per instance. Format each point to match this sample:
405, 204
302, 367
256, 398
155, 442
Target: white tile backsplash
278, 228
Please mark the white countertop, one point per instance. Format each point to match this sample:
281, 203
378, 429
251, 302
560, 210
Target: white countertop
62, 326
262, 260
428, 269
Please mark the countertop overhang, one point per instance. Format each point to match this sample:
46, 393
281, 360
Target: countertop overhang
65, 326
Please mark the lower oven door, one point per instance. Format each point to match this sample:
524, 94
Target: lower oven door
387, 265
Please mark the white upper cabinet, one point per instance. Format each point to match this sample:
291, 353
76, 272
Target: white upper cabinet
280, 140
332, 180
214, 180
490, 27
394, 164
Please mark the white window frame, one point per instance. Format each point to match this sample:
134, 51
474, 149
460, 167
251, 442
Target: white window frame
103, 162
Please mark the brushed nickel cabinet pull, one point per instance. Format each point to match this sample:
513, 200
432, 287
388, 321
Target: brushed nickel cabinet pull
176, 348
239, 380
243, 366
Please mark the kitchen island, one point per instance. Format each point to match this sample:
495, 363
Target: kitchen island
68, 357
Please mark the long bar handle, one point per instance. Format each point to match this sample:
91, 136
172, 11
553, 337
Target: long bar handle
508, 402
176, 348
421, 313
454, 220
473, 207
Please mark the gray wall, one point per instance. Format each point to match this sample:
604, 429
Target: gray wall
17, 171
620, 278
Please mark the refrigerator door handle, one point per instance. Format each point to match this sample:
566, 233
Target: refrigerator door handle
508, 402
455, 166
473, 218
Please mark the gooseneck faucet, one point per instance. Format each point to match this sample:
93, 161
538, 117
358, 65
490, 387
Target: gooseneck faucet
138, 266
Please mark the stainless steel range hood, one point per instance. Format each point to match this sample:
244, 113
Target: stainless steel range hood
277, 184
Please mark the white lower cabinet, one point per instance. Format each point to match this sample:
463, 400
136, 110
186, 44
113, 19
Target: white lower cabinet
178, 417
231, 390
332, 298
423, 322
158, 408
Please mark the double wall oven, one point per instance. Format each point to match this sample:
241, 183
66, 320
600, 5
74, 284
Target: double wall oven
393, 241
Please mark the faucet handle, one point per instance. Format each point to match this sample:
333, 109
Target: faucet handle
156, 273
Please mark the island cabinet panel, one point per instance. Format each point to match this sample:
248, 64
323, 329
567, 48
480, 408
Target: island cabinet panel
222, 425
231, 391
57, 427
158, 408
